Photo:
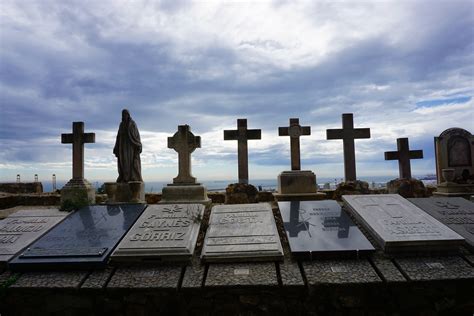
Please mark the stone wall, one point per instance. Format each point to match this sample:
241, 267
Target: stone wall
21, 187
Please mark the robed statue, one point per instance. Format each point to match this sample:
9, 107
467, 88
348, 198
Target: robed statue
127, 150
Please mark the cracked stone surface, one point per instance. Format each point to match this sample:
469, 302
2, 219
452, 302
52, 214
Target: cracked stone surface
290, 274
388, 269
436, 268
98, 279
53, 279
160, 277
339, 271
242, 274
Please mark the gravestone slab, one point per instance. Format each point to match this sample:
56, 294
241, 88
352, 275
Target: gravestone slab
20, 229
244, 232
146, 277
399, 226
321, 227
455, 212
84, 240
162, 233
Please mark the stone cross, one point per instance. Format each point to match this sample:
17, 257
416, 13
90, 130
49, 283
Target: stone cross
78, 138
241, 135
184, 143
348, 133
295, 130
403, 155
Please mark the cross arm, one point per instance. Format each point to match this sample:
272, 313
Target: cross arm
254, 134
231, 134
362, 133
89, 138
67, 138
305, 130
416, 154
391, 155
283, 131
334, 134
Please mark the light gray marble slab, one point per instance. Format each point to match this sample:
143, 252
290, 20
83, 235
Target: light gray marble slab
243, 232
162, 233
400, 226
22, 228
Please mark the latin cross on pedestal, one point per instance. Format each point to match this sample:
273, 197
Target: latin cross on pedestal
403, 155
184, 143
295, 130
348, 133
242, 134
78, 138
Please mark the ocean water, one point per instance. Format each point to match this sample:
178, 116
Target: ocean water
220, 185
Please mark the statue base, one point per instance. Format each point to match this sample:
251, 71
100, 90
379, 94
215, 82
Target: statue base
183, 194
451, 189
76, 194
297, 185
408, 188
130, 192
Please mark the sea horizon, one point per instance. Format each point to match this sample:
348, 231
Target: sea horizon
220, 185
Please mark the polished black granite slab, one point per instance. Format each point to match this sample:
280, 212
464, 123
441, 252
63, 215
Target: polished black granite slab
317, 228
84, 240
455, 212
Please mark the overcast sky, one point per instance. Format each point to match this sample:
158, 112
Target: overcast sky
404, 68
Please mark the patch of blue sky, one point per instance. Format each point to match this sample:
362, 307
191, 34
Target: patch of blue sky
436, 102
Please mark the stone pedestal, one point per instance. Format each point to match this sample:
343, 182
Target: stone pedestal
123, 193
240, 193
408, 188
297, 185
77, 193
454, 189
183, 194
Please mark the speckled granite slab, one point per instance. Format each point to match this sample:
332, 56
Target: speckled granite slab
22, 228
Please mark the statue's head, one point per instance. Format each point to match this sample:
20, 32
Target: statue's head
125, 115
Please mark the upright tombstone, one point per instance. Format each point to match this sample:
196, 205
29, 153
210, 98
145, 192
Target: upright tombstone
184, 188
405, 185
454, 153
162, 233
20, 229
128, 147
348, 134
398, 226
83, 240
242, 192
321, 228
241, 135
455, 212
78, 191
244, 232
296, 184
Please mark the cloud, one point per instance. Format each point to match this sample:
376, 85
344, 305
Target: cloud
395, 65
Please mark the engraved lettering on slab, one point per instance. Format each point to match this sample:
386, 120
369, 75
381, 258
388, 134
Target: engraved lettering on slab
245, 271
242, 232
321, 227
163, 232
435, 265
398, 225
455, 212
83, 240
23, 227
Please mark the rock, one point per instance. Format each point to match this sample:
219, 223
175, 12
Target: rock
240, 193
351, 188
408, 188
